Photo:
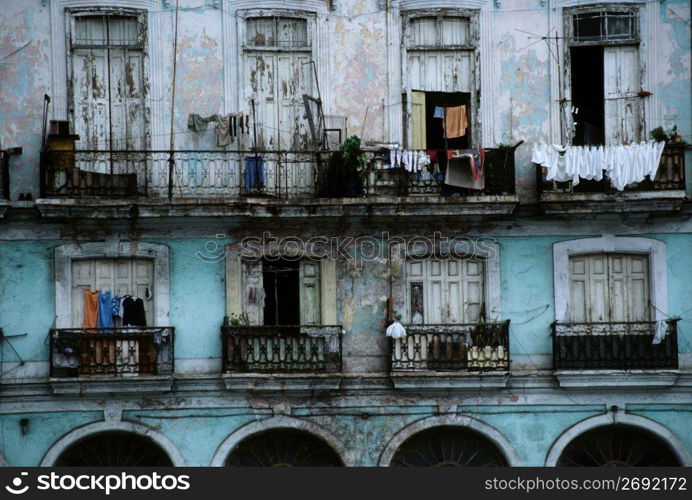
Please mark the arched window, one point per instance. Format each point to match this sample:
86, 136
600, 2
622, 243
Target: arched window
283, 448
618, 446
448, 446
114, 449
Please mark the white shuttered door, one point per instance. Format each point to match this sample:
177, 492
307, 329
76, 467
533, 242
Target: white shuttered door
120, 276
445, 291
622, 105
609, 288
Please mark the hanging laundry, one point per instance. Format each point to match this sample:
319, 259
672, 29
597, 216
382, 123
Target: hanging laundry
198, 124
133, 312
439, 112
661, 331
396, 330
223, 130
91, 307
455, 122
105, 310
465, 169
254, 173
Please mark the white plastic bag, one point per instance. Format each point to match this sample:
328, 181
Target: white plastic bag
396, 330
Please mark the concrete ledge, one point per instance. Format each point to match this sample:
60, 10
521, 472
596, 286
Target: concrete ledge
264, 207
294, 383
580, 379
422, 381
625, 202
111, 385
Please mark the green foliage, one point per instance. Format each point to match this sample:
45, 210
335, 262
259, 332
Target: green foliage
352, 154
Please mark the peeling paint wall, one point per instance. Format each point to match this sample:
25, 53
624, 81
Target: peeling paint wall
352, 45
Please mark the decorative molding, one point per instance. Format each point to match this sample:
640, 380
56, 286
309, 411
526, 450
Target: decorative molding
54, 452
65, 254
347, 455
482, 428
622, 418
609, 243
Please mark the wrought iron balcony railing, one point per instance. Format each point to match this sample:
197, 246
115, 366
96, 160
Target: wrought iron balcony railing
623, 345
181, 174
499, 178
463, 347
670, 176
117, 352
307, 348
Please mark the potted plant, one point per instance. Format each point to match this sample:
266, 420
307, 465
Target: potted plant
345, 170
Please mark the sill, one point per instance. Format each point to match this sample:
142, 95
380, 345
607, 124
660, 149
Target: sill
282, 382
598, 203
580, 379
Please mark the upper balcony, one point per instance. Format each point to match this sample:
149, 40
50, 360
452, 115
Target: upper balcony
664, 193
259, 183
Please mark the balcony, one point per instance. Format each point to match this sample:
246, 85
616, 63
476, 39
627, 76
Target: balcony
470, 347
310, 349
112, 352
665, 193
5, 180
289, 183
614, 346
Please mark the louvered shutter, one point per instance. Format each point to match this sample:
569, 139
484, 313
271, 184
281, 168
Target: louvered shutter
310, 293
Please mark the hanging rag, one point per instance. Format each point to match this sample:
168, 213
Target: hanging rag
224, 134
439, 112
465, 169
396, 330
91, 307
254, 173
133, 312
105, 310
198, 124
661, 331
455, 122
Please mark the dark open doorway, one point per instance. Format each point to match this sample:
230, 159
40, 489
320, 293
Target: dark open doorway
588, 95
435, 139
281, 285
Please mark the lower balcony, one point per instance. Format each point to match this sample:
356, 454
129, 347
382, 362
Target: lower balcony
471, 347
308, 349
111, 352
615, 346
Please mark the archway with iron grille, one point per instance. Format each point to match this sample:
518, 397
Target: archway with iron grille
448, 446
114, 449
283, 448
618, 446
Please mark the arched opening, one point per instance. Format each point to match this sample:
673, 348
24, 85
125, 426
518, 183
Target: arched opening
448, 446
283, 448
618, 446
114, 449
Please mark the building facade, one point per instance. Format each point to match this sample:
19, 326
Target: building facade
187, 155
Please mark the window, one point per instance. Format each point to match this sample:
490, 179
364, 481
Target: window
603, 49
107, 81
439, 73
609, 287
445, 291
277, 58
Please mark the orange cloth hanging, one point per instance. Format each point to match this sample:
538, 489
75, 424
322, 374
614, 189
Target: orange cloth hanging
91, 308
455, 122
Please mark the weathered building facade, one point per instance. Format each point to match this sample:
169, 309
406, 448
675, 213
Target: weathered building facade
543, 317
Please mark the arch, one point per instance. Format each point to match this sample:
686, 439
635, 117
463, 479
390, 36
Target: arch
54, 452
483, 429
646, 424
278, 423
